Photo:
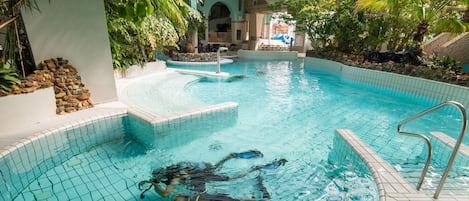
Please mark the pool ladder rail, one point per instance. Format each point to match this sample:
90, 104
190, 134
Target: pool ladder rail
427, 141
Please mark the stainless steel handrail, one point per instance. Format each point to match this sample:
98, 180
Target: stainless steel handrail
427, 141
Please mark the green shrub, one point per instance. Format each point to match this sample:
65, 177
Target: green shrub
8, 77
445, 62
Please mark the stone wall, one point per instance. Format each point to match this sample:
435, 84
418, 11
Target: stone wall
195, 57
457, 48
435, 45
75, 30
70, 93
447, 44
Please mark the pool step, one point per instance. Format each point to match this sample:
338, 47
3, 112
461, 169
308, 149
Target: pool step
443, 146
391, 185
166, 132
455, 184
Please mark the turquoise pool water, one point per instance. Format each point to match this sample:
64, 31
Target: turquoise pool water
285, 105
286, 110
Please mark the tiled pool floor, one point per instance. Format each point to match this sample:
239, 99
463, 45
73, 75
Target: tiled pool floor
78, 179
74, 187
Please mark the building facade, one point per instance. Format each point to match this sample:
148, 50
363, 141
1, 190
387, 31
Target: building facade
242, 23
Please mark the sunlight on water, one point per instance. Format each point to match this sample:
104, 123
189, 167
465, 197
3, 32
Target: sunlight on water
286, 111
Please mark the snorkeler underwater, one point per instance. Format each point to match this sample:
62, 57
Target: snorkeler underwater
198, 174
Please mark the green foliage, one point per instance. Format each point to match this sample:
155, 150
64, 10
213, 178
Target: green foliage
350, 25
412, 19
446, 62
138, 27
349, 28
8, 77
135, 10
328, 24
11, 22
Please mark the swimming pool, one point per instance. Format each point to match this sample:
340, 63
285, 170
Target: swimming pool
302, 101
285, 110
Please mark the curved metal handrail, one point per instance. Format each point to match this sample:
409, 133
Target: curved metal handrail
429, 156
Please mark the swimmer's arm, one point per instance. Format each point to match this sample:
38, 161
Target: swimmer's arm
168, 190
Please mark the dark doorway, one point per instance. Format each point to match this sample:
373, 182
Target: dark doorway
219, 24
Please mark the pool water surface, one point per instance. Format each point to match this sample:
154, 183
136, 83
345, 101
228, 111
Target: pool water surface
286, 110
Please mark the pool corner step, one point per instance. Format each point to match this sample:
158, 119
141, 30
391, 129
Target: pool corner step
391, 185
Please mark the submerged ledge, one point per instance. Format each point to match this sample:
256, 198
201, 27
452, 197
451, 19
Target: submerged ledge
183, 63
391, 185
201, 73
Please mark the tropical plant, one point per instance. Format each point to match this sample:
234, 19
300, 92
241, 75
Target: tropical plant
425, 15
446, 62
310, 16
329, 24
386, 23
16, 39
139, 27
349, 28
8, 77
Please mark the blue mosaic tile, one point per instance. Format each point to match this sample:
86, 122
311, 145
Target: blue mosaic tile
26, 196
96, 195
61, 194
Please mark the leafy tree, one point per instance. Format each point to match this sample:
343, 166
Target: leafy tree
428, 16
138, 27
328, 23
16, 50
386, 23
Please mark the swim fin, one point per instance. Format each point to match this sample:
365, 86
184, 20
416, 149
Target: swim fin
275, 164
249, 154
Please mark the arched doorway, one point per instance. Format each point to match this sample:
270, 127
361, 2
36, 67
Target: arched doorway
219, 24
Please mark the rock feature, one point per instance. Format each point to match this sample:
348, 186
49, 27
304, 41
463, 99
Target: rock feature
193, 57
70, 93
425, 70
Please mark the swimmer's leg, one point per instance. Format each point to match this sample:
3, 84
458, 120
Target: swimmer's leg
243, 155
272, 165
262, 188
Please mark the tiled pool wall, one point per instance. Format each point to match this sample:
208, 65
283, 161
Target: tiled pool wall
391, 186
432, 89
177, 129
342, 154
442, 148
350, 149
267, 55
28, 159
25, 161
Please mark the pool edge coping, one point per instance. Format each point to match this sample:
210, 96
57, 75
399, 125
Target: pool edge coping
391, 185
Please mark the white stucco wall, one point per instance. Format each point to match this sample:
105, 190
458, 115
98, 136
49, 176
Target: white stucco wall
75, 30
20, 111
